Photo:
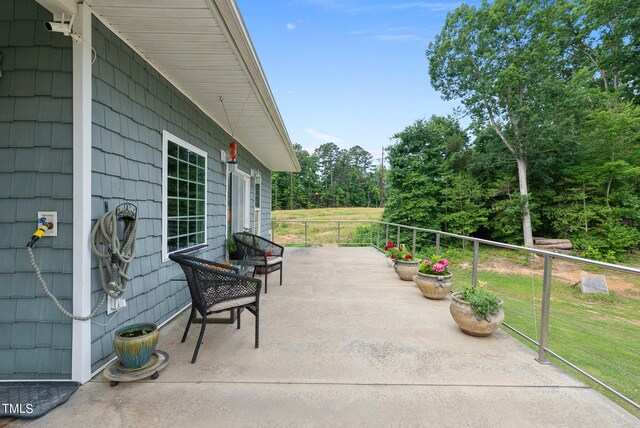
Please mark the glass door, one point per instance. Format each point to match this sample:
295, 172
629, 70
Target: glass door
239, 189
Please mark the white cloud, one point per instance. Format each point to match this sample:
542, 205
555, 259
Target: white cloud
325, 138
291, 26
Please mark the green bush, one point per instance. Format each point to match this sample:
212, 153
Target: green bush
609, 243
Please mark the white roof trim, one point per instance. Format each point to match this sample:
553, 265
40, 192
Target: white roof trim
203, 48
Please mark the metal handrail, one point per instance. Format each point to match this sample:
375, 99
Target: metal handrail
440, 233
546, 285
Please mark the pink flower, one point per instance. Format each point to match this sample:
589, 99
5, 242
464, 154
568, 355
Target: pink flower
438, 267
445, 262
427, 262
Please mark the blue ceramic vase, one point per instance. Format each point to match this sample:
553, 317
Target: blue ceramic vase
134, 344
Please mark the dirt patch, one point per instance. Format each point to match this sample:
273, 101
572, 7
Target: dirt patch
567, 272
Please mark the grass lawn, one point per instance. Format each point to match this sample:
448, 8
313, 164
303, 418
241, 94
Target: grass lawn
319, 234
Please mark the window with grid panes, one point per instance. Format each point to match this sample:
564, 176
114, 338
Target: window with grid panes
185, 196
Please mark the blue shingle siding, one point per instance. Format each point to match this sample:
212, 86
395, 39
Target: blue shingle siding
35, 155
132, 105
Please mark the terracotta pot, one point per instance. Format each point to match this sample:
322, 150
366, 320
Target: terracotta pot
466, 319
134, 352
406, 270
435, 287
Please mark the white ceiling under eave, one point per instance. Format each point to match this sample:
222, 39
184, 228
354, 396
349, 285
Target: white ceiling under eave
203, 48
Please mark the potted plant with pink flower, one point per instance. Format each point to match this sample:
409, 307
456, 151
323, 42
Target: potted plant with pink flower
434, 278
406, 265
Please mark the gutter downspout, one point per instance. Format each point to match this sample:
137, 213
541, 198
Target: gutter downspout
82, 99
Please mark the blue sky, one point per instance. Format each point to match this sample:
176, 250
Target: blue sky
353, 72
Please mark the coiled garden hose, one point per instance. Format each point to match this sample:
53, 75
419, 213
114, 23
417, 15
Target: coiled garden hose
106, 246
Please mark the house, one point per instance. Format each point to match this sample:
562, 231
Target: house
134, 102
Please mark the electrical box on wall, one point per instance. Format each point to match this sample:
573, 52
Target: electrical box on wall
52, 217
114, 305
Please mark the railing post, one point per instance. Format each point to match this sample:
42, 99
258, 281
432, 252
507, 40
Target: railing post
338, 234
474, 269
398, 242
386, 237
305, 233
437, 244
413, 249
546, 302
370, 233
273, 231
378, 227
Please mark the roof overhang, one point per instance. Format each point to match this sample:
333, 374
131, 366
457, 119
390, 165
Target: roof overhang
203, 48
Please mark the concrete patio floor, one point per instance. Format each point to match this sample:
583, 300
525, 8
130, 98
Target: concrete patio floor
343, 342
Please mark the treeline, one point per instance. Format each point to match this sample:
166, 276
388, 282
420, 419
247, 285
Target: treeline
329, 177
552, 89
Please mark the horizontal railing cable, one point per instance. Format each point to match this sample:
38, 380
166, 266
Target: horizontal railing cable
576, 368
598, 357
595, 333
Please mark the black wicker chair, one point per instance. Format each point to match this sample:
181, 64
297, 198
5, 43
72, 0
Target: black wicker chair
267, 253
216, 287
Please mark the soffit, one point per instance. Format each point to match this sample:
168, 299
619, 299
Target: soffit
203, 48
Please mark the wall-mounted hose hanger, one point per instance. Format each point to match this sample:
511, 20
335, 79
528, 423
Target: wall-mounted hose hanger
114, 251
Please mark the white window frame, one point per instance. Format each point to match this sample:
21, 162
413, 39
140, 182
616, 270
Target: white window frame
257, 196
166, 137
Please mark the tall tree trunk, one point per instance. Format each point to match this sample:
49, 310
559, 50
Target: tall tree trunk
524, 193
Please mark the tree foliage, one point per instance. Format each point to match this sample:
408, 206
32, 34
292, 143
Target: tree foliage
329, 177
552, 88
420, 166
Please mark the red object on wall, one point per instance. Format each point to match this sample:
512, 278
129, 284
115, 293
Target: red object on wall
232, 152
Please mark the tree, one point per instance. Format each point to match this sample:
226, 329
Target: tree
327, 155
604, 37
296, 190
358, 184
420, 165
499, 61
464, 206
329, 177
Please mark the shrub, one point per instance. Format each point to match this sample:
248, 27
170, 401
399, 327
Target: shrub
481, 301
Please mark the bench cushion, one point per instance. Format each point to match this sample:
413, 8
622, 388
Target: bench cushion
232, 303
271, 261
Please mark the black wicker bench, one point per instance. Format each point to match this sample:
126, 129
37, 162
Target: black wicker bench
267, 253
